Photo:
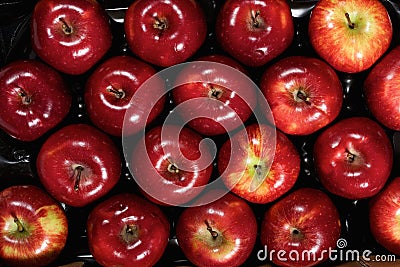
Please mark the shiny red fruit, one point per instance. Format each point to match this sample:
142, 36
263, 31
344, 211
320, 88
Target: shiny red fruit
259, 163
353, 158
219, 234
126, 230
382, 90
300, 229
109, 91
35, 99
70, 35
170, 165
33, 227
165, 32
255, 31
303, 93
78, 164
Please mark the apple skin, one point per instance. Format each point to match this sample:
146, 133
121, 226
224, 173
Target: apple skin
384, 216
109, 91
353, 158
35, 99
207, 93
78, 164
44, 227
349, 49
255, 39
304, 94
126, 230
304, 220
231, 218
165, 32
171, 169
276, 172
70, 35
218, 58
382, 92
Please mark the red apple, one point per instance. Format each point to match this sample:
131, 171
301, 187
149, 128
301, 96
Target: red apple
35, 99
350, 35
109, 91
300, 228
304, 94
384, 215
165, 32
70, 35
259, 163
170, 164
221, 233
33, 227
255, 31
353, 158
214, 98
382, 92
224, 60
78, 164
126, 230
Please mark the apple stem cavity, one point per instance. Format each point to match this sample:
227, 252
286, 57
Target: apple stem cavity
65, 27
303, 97
160, 24
172, 168
78, 171
296, 233
215, 93
129, 233
119, 93
254, 17
349, 22
19, 225
26, 99
213, 233
350, 157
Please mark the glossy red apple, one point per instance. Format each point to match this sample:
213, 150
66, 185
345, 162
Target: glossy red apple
304, 94
171, 165
350, 35
126, 230
221, 233
33, 227
353, 158
214, 98
218, 58
384, 216
259, 163
300, 228
109, 91
78, 164
70, 35
255, 31
35, 99
165, 32
382, 92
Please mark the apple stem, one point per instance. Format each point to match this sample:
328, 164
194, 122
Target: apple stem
119, 93
351, 24
254, 15
19, 225
66, 28
129, 233
160, 24
303, 97
213, 233
26, 99
172, 168
78, 170
215, 92
258, 169
350, 156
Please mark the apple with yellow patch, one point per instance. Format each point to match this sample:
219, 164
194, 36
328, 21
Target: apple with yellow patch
33, 227
259, 163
